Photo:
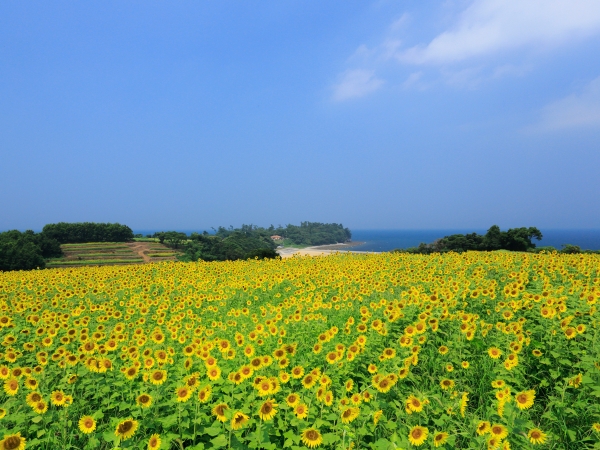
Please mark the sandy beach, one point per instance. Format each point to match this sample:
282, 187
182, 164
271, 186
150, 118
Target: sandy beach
319, 250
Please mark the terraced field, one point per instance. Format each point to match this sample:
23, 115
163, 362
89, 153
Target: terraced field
111, 253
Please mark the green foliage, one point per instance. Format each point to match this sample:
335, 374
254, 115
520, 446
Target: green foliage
25, 251
20, 251
514, 239
88, 232
171, 238
236, 245
308, 233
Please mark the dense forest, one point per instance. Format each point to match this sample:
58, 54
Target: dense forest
29, 250
251, 241
26, 251
73, 233
514, 239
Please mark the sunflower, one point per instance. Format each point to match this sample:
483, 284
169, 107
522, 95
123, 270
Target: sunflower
2, 413
440, 438
446, 384
204, 394
11, 386
483, 427
349, 385
213, 373
40, 407
596, 427
12, 442
493, 443
301, 411
494, 352
154, 442
498, 431
463, 403
31, 384
158, 377
413, 404
443, 350
144, 400
417, 435
537, 353
292, 400
536, 436
126, 429
376, 416
58, 398
183, 394
219, 411
238, 420
525, 399
309, 381
32, 398
267, 410
349, 414
87, 424
311, 437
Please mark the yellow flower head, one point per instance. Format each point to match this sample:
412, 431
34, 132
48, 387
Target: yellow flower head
536, 436
267, 410
87, 424
126, 429
311, 437
154, 442
13, 442
418, 435
238, 420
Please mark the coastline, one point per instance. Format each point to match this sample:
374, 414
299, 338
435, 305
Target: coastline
320, 250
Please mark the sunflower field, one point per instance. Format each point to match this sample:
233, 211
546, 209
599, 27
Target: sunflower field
385, 351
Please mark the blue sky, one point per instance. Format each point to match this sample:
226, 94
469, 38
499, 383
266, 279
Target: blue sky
384, 114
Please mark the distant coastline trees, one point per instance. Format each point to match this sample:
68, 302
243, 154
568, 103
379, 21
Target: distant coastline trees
26, 251
29, 250
76, 233
514, 239
250, 241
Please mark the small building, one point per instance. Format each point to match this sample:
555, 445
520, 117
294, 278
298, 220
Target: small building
276, 237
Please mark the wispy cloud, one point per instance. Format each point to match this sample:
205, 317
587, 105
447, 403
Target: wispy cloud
576, 111
491, 26
482, 41
356, 83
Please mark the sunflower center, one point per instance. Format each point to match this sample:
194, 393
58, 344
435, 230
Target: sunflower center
266, 408
125, 426
312, 435
416, 434
12, 442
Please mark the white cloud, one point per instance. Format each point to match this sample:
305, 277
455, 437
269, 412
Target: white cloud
356, 83
580, 110
491, 26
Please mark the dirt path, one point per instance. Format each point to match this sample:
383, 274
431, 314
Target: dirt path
140, 248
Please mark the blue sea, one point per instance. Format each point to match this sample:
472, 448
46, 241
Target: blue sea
386, 240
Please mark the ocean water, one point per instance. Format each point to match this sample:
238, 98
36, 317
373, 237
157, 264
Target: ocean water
386, 240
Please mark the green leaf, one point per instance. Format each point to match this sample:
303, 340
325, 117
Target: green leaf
330, 438
213, 431
219, 441
37, 419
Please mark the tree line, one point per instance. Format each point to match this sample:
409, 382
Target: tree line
513, 239
29, 250
75, 233
250, 241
